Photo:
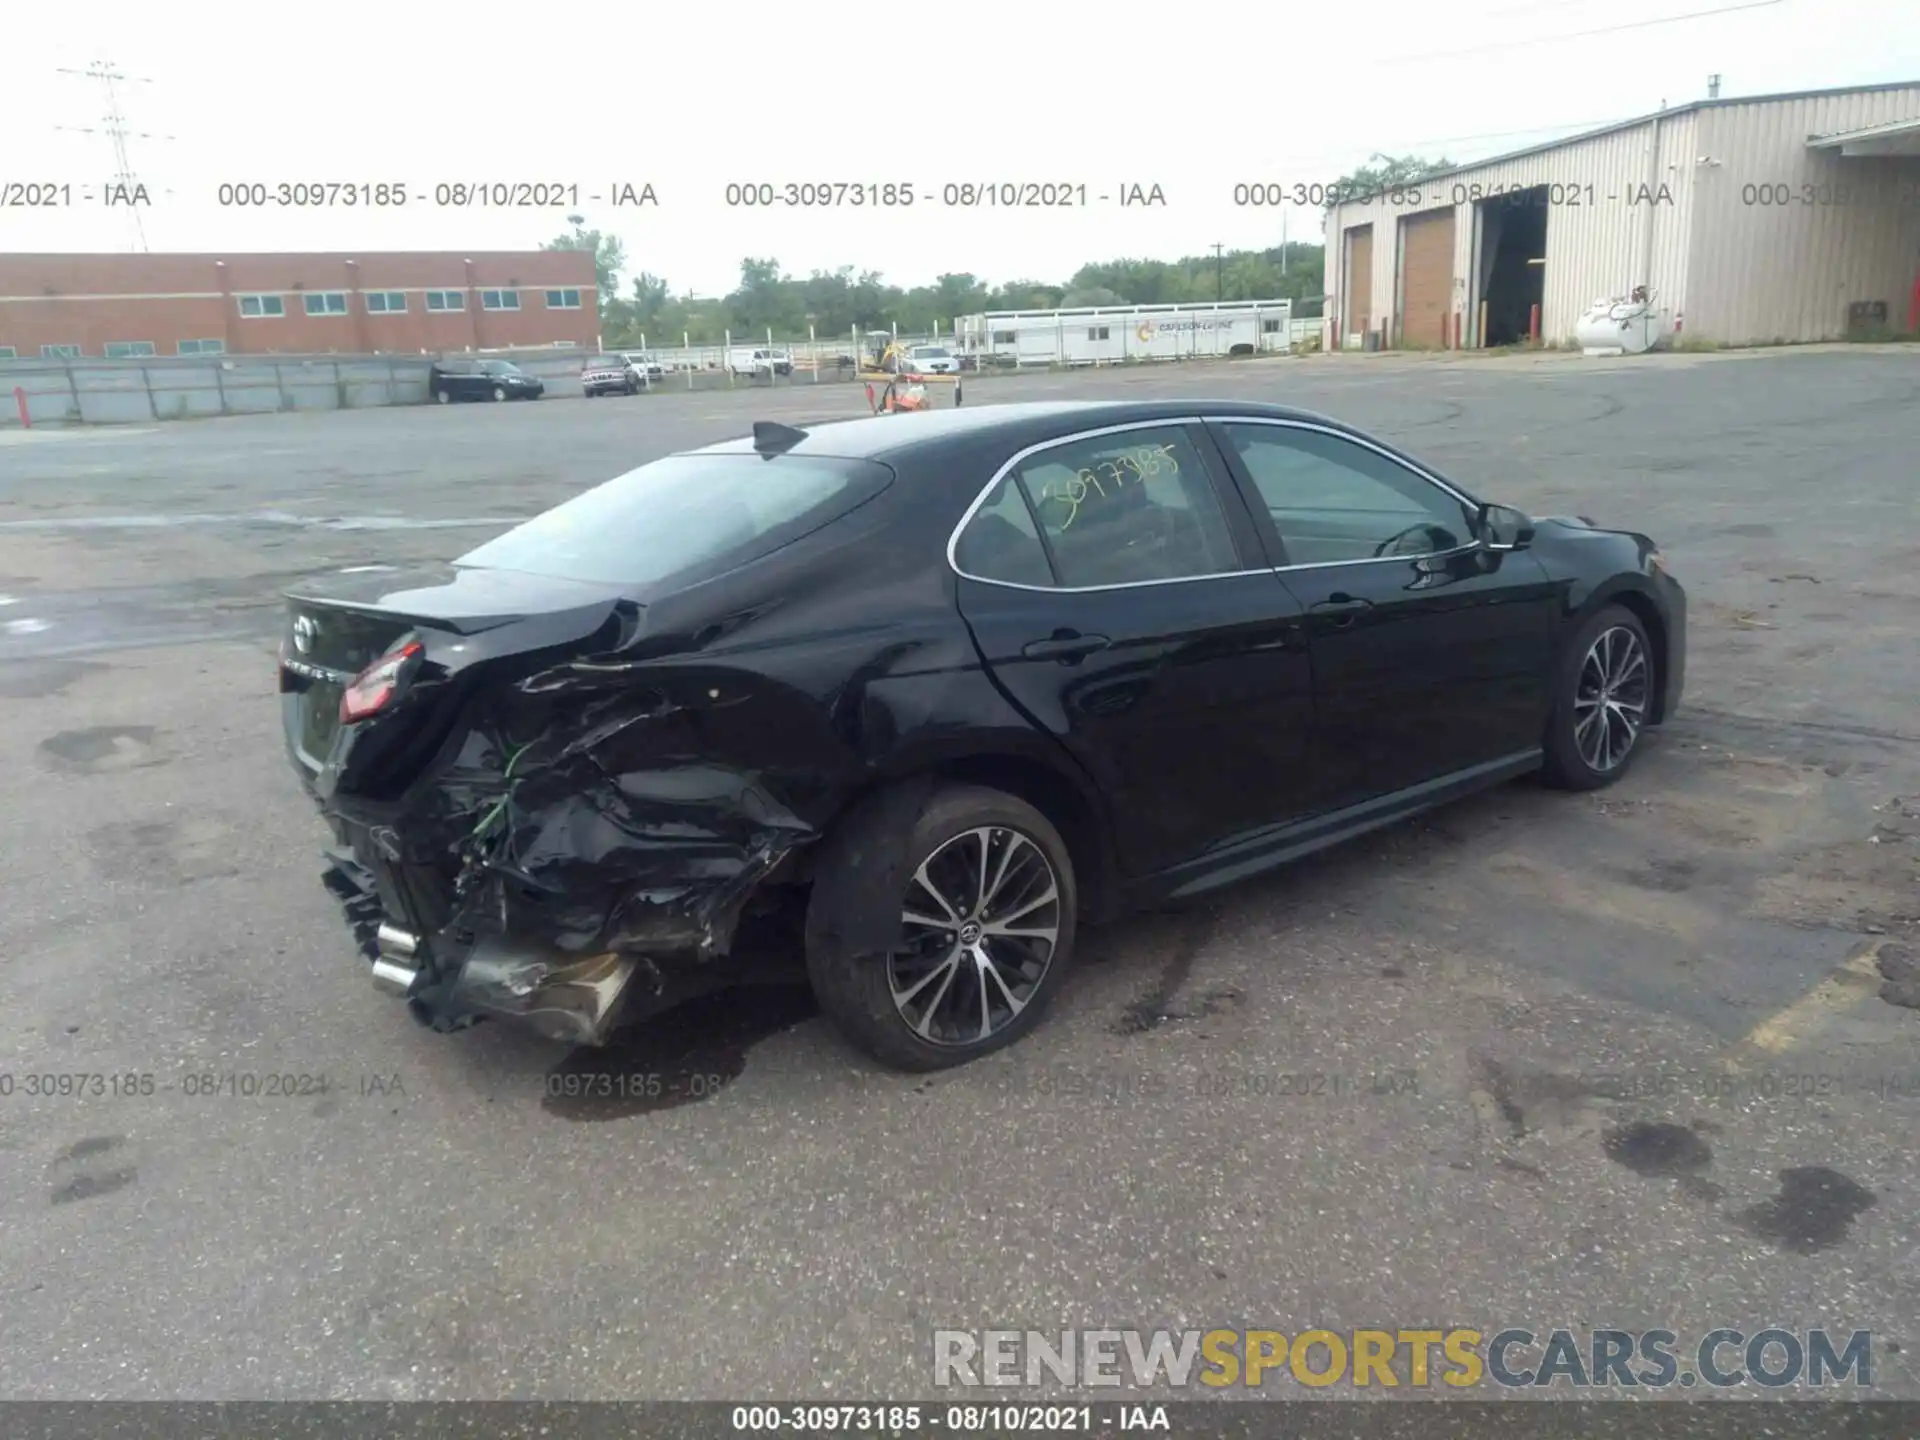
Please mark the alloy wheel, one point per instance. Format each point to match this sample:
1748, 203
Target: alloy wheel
1610, 699
982, 919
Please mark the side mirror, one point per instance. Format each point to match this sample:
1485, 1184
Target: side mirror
1501, 527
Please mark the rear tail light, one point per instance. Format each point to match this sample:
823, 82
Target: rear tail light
374, 687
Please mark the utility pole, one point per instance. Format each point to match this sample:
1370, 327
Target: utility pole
1219, 275
114, 126
1283, 240
1713, 87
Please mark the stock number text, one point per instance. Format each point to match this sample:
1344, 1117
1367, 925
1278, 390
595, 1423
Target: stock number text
1319, 197
1780, 194
73, 1085
1107, 477
837, 1419
639, 1085
820, 194
312, 194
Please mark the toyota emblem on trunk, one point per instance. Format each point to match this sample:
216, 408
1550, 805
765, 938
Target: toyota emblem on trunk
304, 630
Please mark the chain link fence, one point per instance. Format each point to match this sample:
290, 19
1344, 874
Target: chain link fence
140, 391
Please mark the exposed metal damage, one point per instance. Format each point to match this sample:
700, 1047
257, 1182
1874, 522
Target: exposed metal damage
568, 855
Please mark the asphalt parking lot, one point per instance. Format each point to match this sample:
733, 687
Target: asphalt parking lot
1536, 1060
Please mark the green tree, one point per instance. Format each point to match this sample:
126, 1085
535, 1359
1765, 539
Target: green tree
641, 313
841, 301
1383, 172
609, 258
1092, 295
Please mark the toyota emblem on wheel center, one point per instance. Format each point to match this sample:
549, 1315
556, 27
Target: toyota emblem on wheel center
304, 631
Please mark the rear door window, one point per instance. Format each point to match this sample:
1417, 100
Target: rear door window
1129, 507
685, 519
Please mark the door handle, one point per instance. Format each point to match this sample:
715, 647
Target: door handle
1340, 610
1066, 646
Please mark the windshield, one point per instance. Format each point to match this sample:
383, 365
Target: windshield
604, 362
500, 367
685, 518
930, 352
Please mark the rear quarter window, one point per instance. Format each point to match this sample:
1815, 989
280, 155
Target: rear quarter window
685, 519
1002, 543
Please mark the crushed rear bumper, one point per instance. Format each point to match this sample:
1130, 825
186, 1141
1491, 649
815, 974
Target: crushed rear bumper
573, 998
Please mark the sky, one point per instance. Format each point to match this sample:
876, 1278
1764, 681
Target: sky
690, 99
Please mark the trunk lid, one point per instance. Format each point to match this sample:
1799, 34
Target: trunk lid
337, 627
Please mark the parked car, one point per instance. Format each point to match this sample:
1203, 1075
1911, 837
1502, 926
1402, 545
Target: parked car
751, 361
940, 688
931, 360
609, 375
648, 369
460, 378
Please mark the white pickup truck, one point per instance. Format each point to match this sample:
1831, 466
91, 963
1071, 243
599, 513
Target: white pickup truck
649, 369
758, 360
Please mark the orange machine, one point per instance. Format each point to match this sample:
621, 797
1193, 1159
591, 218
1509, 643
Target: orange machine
901, 390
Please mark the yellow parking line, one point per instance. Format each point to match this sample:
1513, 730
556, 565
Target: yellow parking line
1857, 977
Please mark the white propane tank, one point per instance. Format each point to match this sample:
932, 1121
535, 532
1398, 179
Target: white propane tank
1621, 325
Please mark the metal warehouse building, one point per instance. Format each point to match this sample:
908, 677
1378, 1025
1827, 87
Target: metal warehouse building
404, 302
1775, 217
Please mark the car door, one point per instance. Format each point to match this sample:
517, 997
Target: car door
464, 379
1432, 654
1119, 596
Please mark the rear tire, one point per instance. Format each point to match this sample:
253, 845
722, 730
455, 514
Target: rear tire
444, 397
1002, 943
1603, 699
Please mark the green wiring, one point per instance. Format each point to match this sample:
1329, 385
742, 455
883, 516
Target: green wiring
499, 809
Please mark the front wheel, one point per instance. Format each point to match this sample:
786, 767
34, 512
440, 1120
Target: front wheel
444, 397
499, 392
986, 928
1603, 701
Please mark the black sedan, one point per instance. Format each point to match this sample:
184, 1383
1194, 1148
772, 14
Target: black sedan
463, 379
940, 688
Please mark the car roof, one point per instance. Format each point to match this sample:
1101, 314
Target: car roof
924, 433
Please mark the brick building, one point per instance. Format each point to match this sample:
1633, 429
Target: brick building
398, 302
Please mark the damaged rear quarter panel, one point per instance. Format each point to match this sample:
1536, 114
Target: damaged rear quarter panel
629, 789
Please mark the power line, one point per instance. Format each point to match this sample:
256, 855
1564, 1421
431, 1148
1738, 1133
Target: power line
114, 126
1579, 34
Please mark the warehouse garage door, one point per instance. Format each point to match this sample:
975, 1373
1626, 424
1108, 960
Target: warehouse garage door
1426, 278
1359, 299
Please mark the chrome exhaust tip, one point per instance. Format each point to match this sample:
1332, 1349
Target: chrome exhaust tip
393, 979
393, 971
395, 941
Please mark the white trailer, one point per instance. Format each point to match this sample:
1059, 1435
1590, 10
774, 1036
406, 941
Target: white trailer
1111, 334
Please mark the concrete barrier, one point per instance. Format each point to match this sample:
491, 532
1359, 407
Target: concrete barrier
132, 392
